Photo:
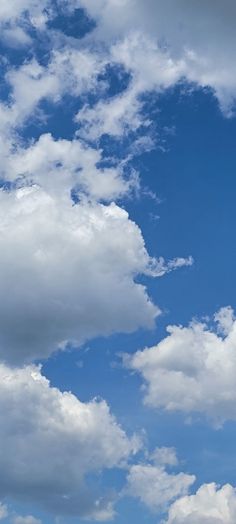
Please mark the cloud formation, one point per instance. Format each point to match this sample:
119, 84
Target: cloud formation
210, 505
72, 276
155, 487
60, 166
20, 9
52, 442
68, 71
192, 369
198, 35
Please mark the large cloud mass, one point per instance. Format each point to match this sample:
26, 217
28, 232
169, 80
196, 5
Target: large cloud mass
67, 273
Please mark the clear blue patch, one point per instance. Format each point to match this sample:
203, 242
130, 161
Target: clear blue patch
75, 25
117, 79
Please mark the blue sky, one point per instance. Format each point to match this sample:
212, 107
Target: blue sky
117, 262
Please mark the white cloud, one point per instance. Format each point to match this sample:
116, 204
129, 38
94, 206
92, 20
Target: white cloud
150, 69
155, 487
196, 42
29, 519
52, 442
210, 505
15, 37
161, 266
201, 35
60, 165
165, 492
69, 71
17, 9
192, 369
116, 117
68, 259
3, 511
17, 17
164, 457
67, 273
224, 319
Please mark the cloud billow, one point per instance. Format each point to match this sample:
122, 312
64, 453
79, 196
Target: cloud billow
192, 370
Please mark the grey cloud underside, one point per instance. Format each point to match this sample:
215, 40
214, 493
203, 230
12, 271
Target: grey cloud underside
67, 273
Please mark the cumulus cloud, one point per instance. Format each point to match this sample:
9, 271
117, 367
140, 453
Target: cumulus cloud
164, 492
67, 273
210, 505
68, 259
192, 369
52, 442
155, 487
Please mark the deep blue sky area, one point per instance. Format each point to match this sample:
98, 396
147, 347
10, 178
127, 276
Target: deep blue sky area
195, 182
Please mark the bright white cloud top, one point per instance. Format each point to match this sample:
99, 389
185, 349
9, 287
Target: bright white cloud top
210, 505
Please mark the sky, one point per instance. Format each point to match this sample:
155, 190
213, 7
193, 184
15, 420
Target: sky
117, 262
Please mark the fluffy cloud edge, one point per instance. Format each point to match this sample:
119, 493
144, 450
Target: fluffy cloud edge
192, 370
